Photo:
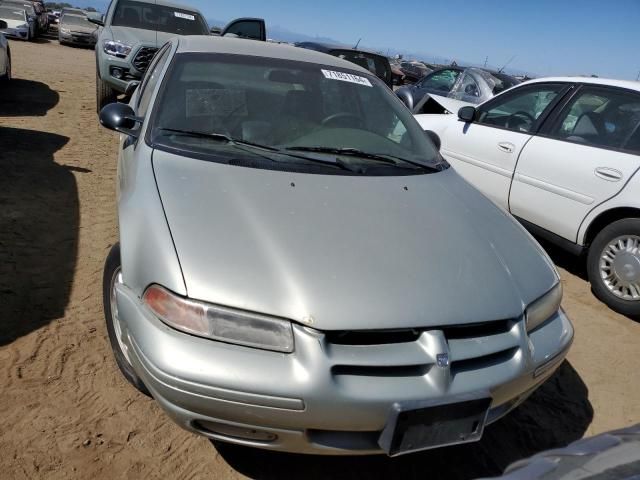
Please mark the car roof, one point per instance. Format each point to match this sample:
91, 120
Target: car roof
165, 3
335, 46
629, 84
241, 46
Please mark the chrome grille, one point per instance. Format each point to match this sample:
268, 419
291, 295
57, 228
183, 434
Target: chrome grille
143, 58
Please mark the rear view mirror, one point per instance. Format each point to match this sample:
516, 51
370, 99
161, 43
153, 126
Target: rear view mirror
252, 28
467, 114
433, 136
119, 117
3, 25
97, 21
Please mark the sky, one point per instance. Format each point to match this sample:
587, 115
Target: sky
543, 37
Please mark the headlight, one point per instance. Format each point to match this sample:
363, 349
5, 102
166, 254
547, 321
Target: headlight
117, 49
65, 30
220, 323
543, 308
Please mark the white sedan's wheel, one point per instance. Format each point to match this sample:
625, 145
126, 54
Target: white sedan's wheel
620, 267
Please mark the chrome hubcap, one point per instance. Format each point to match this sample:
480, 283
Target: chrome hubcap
115, 319
620, 267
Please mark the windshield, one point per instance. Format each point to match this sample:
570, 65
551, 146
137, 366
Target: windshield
12, 14
285, 106
148, 16
76, 20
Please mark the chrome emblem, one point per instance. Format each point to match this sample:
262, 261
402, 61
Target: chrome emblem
442, 360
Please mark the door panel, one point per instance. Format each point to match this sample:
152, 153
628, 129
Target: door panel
558, 183
475, 152
586, 157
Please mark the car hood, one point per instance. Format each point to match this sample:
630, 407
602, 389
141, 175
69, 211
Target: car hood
344, 252
451, 105
138, 36
80, 29
14, 23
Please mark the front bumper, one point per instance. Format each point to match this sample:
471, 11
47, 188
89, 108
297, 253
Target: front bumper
22, 34
325, 398
107, 64
77, 39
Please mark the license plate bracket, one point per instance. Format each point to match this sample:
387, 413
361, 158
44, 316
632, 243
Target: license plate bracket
422, 425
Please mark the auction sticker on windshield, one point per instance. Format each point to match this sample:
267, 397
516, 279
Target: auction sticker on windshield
186, 16
346, 77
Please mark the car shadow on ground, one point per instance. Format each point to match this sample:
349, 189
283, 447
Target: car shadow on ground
39, 220
21, 98
574, 264
558, 413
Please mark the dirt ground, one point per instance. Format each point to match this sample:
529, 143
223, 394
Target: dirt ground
65, 411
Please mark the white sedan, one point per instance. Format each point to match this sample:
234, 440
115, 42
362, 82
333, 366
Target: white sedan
562, 155
5, 54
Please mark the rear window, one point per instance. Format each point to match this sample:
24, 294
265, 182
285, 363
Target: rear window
148, 16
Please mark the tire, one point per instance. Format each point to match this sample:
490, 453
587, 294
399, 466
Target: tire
112, 268
7, 74
628, 227
104, 93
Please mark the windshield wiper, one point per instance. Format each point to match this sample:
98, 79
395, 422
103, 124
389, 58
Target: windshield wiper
233, 141
354, 152
218, 136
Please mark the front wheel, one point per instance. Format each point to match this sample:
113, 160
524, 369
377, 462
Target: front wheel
110, 280
104, 93
613, 266
7, 71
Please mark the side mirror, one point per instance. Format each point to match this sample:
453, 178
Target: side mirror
467, 114
435, 138
252, 28
131, 88
3, 25
121, 118
97, 21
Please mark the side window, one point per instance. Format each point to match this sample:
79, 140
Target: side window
602, 118
466, 87
442, 80
150, 80
519, 110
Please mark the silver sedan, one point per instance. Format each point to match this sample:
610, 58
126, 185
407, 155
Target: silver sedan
300, 270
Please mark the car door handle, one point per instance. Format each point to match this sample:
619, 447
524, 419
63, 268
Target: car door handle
609, 174
506, 147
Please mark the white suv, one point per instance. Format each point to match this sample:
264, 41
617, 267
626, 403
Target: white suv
562, 155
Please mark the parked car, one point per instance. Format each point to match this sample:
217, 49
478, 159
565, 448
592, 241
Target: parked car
374, 62
72, 11
17, 23
35, 12
133, 31
293, 254
54, 17
469, 85
608, 456
31, 19
76, 30
414, 71
5, 53
562, 155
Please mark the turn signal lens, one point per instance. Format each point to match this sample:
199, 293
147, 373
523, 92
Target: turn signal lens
220, 323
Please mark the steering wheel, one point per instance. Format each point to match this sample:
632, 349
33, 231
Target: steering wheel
519, 114
341, 119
